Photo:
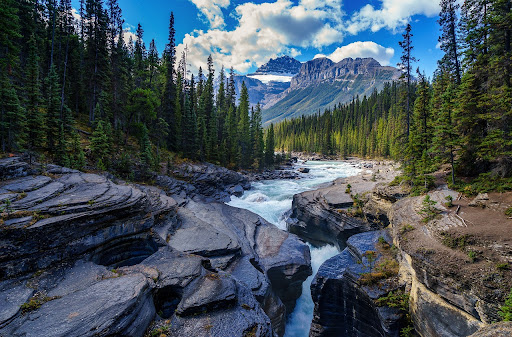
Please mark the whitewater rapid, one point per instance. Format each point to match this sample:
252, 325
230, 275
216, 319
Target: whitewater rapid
271, 199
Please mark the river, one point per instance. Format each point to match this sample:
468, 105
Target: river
271, 199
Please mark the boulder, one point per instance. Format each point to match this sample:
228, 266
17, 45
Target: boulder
115, 306
321, 217
303, 170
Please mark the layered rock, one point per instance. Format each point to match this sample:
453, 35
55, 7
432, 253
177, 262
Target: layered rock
450, 263
321, 217
345, 306
207, 181
83, 256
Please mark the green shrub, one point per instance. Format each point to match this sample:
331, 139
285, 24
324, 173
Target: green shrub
508, 212
406, 229
472, 255
449, 201
502, 266
428, 210
506, 310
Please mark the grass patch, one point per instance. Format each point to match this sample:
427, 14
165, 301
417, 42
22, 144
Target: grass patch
484, 183
385, 269
406, 229
36, 302
508, 212
503, 266
454, 242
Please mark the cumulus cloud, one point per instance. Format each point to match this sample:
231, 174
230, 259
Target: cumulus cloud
212, 10
266, 30
392, 14
362, 49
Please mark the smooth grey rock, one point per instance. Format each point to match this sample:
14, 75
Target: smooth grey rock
116, 306
12, 295
202, 239
175, 269
209, 293
319, 217
245, 318
26, 184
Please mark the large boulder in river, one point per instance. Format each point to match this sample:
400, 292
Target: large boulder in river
347, 288
323, 216
83, 256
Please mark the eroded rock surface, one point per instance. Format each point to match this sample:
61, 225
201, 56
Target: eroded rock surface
451, 261
344, 306
83, 256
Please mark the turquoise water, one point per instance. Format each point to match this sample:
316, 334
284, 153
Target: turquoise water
271, 199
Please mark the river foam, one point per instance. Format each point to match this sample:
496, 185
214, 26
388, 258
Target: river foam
272, 199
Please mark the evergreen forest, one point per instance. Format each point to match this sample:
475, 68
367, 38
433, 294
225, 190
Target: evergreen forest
74, 91
460, 119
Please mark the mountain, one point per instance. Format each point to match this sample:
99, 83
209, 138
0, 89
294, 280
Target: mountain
322, 83
269, 80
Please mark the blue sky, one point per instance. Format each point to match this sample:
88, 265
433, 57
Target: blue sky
245, 34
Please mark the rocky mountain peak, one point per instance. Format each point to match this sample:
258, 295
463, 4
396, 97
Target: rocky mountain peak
325, 70
281, 65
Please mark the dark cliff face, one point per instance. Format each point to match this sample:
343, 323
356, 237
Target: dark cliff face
343, 306
280, 65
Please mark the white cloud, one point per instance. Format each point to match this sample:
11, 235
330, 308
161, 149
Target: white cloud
212, 10
266, 30
362, 49
392, 14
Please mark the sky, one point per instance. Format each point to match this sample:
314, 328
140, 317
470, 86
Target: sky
246, 34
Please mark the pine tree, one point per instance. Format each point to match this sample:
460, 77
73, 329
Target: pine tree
448, 40
269, 147
100, 145
244, 128
53, 121
140, 58
169, 99
257, 137
77, 155
421, 135
12, 117
407, 61
445, 136
146, 154
35, 117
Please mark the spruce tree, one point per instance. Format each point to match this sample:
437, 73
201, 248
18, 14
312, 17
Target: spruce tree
269, 147
53, 121
12, 117
244, 128
449, 42
35, 117
100, 145
257, 138
406, 64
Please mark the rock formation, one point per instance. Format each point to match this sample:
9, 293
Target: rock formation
84, 256
346, 306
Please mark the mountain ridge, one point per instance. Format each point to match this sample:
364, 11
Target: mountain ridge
321, 83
